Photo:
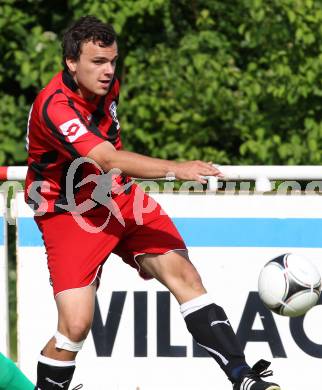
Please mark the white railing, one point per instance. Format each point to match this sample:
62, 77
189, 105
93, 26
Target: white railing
261, 174
4, 298
13, 173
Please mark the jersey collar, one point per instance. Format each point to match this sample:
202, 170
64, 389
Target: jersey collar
69, 81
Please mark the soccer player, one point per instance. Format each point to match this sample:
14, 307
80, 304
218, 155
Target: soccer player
75, 156
11, 378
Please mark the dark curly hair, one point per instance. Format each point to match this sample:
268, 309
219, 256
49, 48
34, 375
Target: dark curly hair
86, 29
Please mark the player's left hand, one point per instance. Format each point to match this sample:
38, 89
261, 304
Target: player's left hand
196, 170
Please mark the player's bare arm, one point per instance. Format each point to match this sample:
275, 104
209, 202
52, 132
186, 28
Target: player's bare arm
138, 165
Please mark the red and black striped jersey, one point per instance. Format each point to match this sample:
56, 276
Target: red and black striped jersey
63, 126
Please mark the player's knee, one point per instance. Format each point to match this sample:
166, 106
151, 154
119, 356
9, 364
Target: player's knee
76, 330
190, 277
186, 282
193, 280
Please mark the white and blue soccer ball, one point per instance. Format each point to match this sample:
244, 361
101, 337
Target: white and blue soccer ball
289, 285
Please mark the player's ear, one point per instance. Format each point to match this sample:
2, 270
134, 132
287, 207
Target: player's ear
71, 64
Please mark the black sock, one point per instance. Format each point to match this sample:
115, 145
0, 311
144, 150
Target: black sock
211, 329
54, 377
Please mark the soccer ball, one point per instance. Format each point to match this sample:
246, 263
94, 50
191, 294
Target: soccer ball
289, 285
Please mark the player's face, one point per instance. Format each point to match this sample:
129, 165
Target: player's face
94, 70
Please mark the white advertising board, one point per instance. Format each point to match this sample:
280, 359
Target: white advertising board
4, 318
139, 340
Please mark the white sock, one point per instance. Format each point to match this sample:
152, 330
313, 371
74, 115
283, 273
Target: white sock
195, 304
56, 363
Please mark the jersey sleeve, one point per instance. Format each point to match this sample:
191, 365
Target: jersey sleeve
68, 127
116, 90
116, 94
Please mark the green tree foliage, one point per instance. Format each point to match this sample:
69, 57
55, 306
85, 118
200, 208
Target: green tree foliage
29, 55
236, 82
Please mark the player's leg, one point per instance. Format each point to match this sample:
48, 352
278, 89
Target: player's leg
159, 252
206, 321
56, 364
75, 259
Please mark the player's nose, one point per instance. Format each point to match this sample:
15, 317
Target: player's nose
109, 68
